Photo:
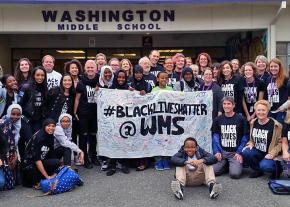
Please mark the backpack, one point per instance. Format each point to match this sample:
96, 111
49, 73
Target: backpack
280, 187
65, 180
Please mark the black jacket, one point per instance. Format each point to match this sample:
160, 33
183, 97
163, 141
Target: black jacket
180, 157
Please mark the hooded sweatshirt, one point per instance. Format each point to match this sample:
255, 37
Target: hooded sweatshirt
63, 136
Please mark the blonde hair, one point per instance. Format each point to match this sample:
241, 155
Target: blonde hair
264, 103
46, 56
144, 59
251, 64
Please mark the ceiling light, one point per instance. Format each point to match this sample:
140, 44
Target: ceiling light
71, 51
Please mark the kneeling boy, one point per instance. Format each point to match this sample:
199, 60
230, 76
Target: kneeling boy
193, 168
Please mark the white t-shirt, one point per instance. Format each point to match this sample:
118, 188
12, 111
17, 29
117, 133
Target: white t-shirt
53, 79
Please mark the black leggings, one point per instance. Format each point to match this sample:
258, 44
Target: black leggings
65, 153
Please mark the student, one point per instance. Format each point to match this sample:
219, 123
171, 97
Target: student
75, 69
236, 66
155, 68
33, 98
179, 63
114, 63
203, 60
215, 69
277, 88
263, 67
254, 90
230, 135
53, 77
188, 83
144, 62
8, 93
61, 98
169, 69
188, 61
209, 84
85, 110
23, 71
10, 126
43, 157
194, 168
106, 77
162, 163
138, 83
265, 143
63, 145
231, 85
127, 66
120, 80
120, 83
101, 61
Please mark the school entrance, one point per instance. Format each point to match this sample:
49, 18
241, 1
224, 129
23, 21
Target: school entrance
244, 45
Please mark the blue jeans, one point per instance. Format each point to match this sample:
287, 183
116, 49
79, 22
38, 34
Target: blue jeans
2, 179
255, 159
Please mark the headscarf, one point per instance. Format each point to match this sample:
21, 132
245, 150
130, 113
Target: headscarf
17, 125
68, 131
47, 122
116, 84
102, 80
190, 83
138, 85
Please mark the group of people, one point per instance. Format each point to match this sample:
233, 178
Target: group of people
47, 117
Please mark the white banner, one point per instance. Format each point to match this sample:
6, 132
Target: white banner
135, 126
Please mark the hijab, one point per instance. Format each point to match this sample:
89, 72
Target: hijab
17, 125
116, 84
68, 131
138, 85
190, 83
102, 81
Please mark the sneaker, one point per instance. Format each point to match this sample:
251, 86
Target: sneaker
104, 166
111, 172
214, 190
177, 189
159, 165
256, 174
166, 165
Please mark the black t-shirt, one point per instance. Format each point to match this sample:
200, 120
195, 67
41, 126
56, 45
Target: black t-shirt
9, 101
231, 130
44, 146
88, 102
251, 93
234, 88
275, 96
262, 135
286, 132
156, 70
173, 78
264, 77
151, 79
